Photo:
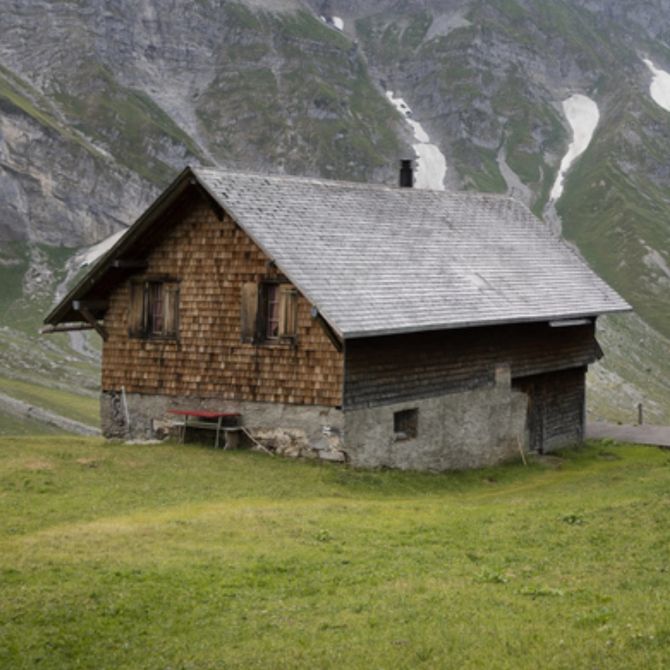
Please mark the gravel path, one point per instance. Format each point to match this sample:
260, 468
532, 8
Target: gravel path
655, 435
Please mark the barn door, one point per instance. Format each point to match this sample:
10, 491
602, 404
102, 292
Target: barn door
535, 413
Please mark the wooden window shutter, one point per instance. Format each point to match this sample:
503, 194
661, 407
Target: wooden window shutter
249, 311
288, 312
137, 310
170, 309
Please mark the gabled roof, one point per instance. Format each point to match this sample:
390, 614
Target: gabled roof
377, 260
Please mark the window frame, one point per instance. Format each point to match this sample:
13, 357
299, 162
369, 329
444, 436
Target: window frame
271, 314
142, 325
406, 424
285, 299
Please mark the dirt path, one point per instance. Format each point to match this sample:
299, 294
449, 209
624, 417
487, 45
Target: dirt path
26, 411
655, 435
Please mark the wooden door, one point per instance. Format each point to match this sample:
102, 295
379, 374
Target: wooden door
533, 388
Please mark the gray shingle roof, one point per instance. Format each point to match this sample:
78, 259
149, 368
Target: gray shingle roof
378, 260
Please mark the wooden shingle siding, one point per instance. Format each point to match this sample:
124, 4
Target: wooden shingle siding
213, 260
389, 369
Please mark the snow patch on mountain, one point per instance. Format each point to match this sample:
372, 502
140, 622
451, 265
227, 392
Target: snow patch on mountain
443, 24
583, 115
334, 21
431, 166
659, 89
91, 255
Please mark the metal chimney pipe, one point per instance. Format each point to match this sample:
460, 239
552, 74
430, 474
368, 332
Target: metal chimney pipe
406, 174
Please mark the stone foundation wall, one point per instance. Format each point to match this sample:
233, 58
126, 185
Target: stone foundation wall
455, 431
291, 430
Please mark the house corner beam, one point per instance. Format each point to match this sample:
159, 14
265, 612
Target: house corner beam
84, 308
328, 330
64, 328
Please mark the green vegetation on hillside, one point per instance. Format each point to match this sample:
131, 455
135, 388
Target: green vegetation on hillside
620, 217
13, 265
179, 556
127, 121
494, 85
83, 408
275, 90
41, 370
472, 103
17, 96
635, 369
20, 308
293, 93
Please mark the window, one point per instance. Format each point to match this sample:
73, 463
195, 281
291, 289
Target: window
154, 309
269, 312
405, 424
272, 309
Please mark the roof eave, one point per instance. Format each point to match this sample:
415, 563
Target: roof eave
95, 273
381, 332
63, 309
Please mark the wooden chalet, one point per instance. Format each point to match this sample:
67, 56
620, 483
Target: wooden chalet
389, 326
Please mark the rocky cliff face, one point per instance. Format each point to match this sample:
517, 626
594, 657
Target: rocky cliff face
101, 103
56, 187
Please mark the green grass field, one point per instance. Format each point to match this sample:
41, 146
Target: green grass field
119, 556
71, 405
14, 425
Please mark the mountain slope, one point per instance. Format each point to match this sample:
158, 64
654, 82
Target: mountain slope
488, 80
117, 97
101, 104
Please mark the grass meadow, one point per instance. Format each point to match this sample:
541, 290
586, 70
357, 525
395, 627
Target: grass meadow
85, 409
182, 557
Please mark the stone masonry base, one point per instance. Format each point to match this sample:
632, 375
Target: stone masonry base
290, 430
454, 431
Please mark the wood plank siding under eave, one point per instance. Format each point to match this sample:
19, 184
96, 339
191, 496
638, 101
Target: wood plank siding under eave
212, 259
383, 370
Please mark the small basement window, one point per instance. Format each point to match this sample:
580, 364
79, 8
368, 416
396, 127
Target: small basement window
405, 424
154, 309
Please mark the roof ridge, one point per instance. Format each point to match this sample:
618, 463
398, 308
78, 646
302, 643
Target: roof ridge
323, 181
363, 185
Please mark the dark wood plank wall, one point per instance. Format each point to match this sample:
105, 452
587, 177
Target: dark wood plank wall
389, 369
556, 403
212, 259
